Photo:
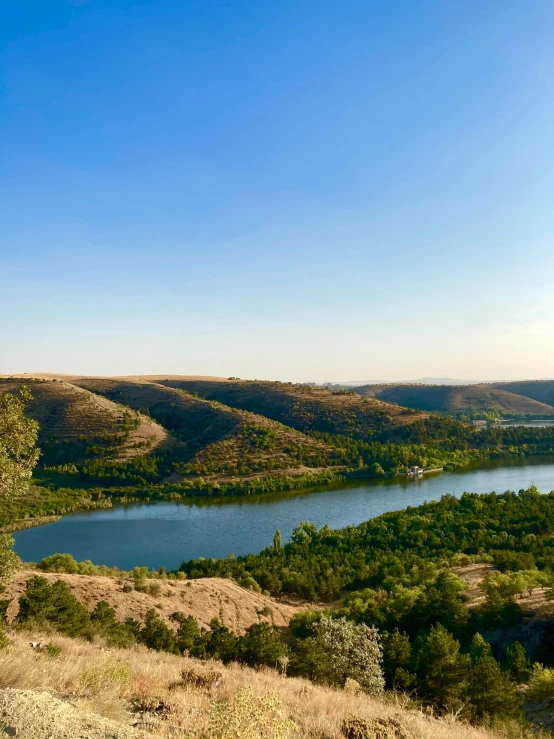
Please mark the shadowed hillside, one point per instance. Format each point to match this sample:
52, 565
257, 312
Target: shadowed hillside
539, 390
463, 399
76, 424
217, 440
303, 407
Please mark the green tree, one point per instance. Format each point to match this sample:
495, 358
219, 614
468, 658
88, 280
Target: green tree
59, 563
516, 662
188, 632
104, 621
349, 651
219, 642
18, 457
490, 690
397, 657
18, 438
277, 541
156, 635
442, 670
261, 645
54, 604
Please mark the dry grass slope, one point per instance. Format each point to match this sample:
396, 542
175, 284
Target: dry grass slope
71, 414
145, 689
205, 599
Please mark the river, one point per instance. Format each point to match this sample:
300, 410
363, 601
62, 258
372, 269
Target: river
166, 533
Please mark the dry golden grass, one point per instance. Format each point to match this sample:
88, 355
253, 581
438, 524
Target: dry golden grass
205, 599
67, 412
473, 574
111, 682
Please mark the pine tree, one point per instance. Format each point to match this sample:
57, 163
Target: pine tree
490, 690
219, 642
54, 604
188, 633
277, 541
156, 635
262, 645
443, 670
397, 655
516, 662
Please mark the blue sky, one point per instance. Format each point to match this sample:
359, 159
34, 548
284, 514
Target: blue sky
291, 190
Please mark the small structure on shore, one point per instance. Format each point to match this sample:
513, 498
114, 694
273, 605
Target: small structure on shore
479, 423
415, 470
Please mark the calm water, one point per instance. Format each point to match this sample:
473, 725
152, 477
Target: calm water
159, 534
535, 424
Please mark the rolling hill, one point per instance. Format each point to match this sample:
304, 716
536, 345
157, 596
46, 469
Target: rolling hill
218, 441
204, 598
161, 434
462, 399
76, 424
302, 407
540, 390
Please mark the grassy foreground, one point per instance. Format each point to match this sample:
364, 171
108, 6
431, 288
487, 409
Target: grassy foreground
175, 696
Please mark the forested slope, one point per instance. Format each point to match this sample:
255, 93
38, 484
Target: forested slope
76, 425
217, 442
540, 390
462, 399
303, 407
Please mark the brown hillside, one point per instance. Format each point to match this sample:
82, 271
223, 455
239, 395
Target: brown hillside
536, 603
205, 599
539, 390
218, 440
457, 398
155, 678
302, 407
68, 414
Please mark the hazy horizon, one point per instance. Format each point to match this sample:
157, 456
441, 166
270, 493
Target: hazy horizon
351, 383
292, 191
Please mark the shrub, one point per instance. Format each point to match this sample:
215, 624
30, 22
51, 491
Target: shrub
250, 584
262, 645
249, 717
59, 563
111, 676
354, 727
53, 604
348, 650
541, 683
52, 651
139, 578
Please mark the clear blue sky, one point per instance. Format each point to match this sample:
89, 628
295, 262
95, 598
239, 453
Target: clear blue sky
297, 190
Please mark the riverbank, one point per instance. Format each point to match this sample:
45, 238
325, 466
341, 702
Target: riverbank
27, 523
156, 533
47, 504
